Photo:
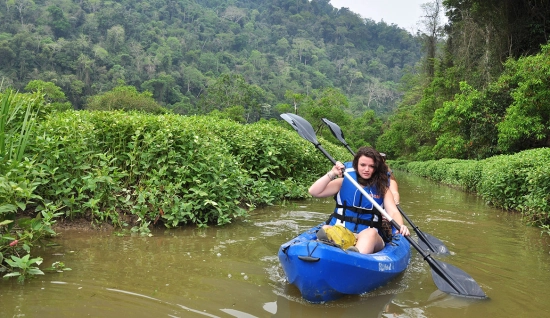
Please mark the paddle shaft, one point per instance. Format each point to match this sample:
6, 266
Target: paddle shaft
423, 237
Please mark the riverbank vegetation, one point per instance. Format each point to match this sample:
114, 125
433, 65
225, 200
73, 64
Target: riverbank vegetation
518, 182
135, 170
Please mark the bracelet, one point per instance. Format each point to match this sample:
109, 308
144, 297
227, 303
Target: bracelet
332, 176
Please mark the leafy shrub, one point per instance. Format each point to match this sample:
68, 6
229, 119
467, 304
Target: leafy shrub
171, 168
125, 98
504, 178
536, 206
518, 182
17, 120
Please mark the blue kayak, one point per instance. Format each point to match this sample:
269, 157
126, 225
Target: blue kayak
323, 272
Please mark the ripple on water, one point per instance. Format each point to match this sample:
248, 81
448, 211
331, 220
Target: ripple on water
65, 299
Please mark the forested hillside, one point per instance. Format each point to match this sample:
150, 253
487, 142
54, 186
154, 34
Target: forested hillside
485, 91
278, 50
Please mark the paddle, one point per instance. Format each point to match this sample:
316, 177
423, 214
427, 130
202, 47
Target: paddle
426, 241
447, 278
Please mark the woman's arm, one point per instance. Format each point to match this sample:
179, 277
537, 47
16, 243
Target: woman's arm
329, 184
394, 190
391, 208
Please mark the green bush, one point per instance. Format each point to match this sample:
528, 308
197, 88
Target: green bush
507, 180
125, 98
519, 182
116, 166
536, 206
18, 113
171, 168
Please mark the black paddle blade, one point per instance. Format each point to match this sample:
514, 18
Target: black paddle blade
426, 241
336, 131
456, 282
302, 126
433, 244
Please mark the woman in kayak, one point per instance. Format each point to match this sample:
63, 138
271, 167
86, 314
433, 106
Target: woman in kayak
353, 211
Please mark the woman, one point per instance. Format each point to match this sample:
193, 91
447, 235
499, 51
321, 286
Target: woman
353, 210
393, 182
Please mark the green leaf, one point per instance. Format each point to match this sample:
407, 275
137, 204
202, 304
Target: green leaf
5, 208
5, 222
35, 271
14, 274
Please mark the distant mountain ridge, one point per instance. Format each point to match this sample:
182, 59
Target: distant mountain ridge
175, 48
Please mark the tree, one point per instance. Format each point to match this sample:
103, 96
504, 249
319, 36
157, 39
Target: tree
330, 104
59, 23
353, 74
6, 54
236, 113
52, 94
302, 47
21, 5
527, 121
296, 98
195, 81
115, 37
283, 45
401, 138
431, 34
164, 89
232, 90
363, 130
234, 14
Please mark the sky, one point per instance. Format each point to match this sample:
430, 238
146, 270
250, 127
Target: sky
404, 13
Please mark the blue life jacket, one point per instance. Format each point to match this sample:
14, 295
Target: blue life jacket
353, 210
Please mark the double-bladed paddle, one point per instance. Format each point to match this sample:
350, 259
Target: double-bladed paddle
426, 241
447, 278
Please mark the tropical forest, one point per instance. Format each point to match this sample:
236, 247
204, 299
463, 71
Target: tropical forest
132, 114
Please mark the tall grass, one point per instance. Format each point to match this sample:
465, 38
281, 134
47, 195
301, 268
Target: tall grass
18, 114
16, 124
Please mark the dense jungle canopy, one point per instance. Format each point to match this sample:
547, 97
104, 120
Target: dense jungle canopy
175, 49
472, 88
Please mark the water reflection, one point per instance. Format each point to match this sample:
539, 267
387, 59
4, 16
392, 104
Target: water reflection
353, 306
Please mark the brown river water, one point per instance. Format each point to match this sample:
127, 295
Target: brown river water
233, 271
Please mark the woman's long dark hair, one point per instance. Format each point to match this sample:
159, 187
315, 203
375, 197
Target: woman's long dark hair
379, 178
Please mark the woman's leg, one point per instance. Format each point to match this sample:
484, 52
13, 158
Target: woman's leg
369, 241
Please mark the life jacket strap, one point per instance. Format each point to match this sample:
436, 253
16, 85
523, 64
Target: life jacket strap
358, 210
385, 232
355, 220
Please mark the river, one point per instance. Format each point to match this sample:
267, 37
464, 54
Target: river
233, 271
